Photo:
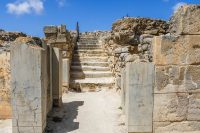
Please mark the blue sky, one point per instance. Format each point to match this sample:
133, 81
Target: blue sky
30, 16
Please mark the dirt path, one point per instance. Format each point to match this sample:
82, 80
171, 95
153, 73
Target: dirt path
91, 112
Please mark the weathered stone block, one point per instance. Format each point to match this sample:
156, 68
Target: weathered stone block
177, 127
63, 29
29, 86
170, 107
56, 56
5, 89
186, 20
139, 98
123, 90
176, 107
66, 72
182, 50
175, 78
61, 38
50, 29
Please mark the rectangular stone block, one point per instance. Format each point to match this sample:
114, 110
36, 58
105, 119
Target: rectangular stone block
174, 78
171, 50
56, 56
177, 127
50, 29
66, 72
176, 107
139, 97
186, 20
123, 90
29, 86
61, 38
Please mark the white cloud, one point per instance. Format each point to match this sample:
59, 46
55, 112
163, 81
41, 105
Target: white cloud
178, 5
25, 7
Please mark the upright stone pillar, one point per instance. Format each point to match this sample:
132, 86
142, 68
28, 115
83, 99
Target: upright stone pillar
139, 98
66, 73
56, 56
59, 37
29, 86
123, 89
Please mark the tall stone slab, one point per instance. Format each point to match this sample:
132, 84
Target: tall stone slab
29, 86
56, 56
139, 97
66, 73
123, 89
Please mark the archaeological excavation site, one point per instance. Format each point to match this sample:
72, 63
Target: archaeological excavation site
143, 76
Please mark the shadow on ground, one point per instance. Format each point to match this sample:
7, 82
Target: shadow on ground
68, 115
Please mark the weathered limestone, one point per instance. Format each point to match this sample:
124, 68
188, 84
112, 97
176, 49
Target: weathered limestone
66, 73
177, 83
182, 50
6, 39
29, 86
5, 89
123, 90
185, 21
56, 56
59, 37
139, 98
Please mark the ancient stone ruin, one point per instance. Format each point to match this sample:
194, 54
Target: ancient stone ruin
153, 65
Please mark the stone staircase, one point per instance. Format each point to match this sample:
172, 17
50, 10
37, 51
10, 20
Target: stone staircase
89, 69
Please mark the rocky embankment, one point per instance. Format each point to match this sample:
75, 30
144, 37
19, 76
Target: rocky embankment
131, 40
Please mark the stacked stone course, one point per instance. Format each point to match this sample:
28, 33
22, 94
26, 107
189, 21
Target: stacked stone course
177, 70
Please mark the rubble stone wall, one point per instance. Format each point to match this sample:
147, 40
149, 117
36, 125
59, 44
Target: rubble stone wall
131, 41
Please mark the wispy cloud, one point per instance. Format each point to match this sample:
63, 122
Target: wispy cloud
20, 7
61, 3
178, 5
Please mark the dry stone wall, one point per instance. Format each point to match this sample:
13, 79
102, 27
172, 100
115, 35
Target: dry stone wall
131, 41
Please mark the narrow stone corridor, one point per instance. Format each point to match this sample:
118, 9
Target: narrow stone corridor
91, 112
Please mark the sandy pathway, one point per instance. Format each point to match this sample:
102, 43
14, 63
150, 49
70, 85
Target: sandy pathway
91, 112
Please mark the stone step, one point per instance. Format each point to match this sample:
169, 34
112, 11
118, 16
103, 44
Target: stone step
90, 74
90, 55
89, 51
89, 68
86, 43
103, 64
91, 84
87, 39
90, 59
88, 47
